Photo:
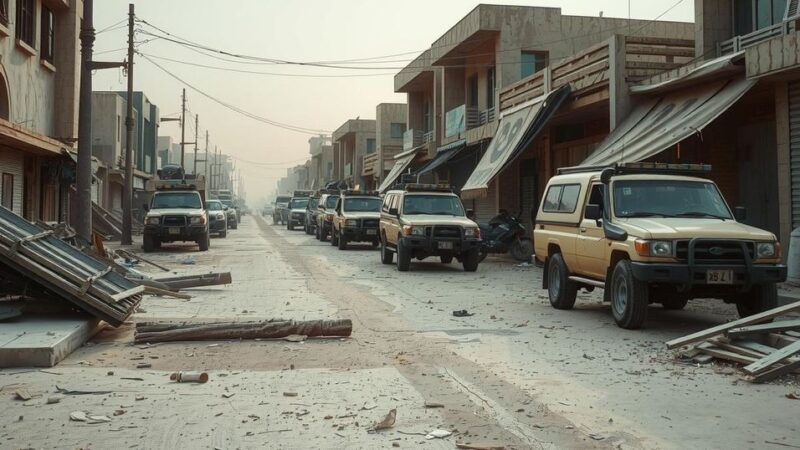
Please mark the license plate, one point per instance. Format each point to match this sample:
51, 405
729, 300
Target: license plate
446, 245
372, 232
174, 230
719, 277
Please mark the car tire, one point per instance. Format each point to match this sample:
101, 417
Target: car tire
148, 243
289, 225
334, 238
521, 250
235, 226
761, 298
446, 259
204, 242
386, 255
224, 233
316, 234
342, 243
629, 297
403, 257
675, 303
482, 253
470, 260
560, 289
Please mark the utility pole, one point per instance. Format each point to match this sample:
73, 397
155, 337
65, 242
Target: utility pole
183, 125
205, 163
127, 196
196, 124
83, 215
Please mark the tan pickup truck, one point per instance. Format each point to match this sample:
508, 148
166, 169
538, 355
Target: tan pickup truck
664, 235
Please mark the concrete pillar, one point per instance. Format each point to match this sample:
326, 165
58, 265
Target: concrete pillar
782, 139
619, 102
713, 21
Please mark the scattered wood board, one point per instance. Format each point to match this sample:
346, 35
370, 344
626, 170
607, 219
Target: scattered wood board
774, 327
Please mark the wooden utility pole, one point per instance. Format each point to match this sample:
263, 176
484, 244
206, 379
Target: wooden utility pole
206, 158
83, 175
127, 195
183, 127
196, 124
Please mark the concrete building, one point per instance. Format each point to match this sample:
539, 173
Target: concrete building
38, 106
390, 122
353, 140
458, 88
146, 130
163, 149
109, 141
321, 168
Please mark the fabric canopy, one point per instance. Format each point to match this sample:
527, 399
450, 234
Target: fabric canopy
403, 160
660, 123
443, 154
515, 132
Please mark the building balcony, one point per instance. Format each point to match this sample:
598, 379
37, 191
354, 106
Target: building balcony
739, 43
413, 139
369, 166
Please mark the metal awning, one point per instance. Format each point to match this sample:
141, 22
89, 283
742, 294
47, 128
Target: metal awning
443, 154
724, 66
662, 122
516, 130
402, 161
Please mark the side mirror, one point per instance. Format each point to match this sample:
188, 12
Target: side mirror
225, 208
470, 213
393, 211
740, 213
593, 212
145, 207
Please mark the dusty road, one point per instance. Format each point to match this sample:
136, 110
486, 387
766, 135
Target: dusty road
517, 373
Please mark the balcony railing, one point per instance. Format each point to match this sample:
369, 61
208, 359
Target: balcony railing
412, 139
427, 137
486, 116
738, 43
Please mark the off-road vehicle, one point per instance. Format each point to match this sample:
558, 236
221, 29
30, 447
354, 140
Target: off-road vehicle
176, 213
356, 218
217, 218
327, 208
651, 233
281, 209
312, 210
422, 220
297, 212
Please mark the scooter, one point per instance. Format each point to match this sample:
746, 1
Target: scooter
506, 234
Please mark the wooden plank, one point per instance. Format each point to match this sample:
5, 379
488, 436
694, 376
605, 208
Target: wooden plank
750, 320
778, 340
578, 64
755, 346
652, 65
659, 51
775, 372
717, 352
781, 325
773, 358
586, 72
725, 345
597, 48
647, 40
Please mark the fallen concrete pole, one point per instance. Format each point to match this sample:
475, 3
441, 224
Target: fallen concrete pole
190, 281
274, 329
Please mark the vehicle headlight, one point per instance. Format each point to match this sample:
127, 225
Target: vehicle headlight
472, 233
197, 220
409, 230
329, 217
155, 220
661, 249
220, 216
766, 250
351, 223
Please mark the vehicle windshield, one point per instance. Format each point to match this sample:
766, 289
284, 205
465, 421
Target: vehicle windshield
330, 202
214, 206
298, 203
177, 200
363, 204
669, 198
283, 199
313, 203
445, 205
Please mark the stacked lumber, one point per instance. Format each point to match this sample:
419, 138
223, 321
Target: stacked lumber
268, 329
765, 346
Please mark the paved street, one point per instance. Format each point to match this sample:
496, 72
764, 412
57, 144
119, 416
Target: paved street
517, 373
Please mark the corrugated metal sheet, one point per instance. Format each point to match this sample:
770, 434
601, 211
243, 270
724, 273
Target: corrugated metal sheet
13, 162
486, 207
794, 150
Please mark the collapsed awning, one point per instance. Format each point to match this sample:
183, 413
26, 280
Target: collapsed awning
402, 161
662, 122
516, 130
443, 154
724, 66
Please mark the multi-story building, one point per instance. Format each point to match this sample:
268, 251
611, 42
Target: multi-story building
321, 167
390, 126
147, 124
351, 142
39, 80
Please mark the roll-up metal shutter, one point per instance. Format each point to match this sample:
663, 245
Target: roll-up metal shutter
12, 162
486, 207
794, 150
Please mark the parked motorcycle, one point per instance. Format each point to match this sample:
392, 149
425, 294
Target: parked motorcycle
505, 233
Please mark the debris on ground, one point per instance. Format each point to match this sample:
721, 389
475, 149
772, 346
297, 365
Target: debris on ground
189, 377
463, 313
83, 416
438, 434
218, 331
386, 423
468, 446
765, 349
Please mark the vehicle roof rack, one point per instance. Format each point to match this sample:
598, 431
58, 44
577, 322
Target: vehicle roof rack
640, 167
421, 187
360, 193
579, 169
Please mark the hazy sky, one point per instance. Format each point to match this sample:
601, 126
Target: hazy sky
296, 30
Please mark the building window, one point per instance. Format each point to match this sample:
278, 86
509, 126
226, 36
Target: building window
752, 15
428, 116
396, 130
490, 87
472, 91
8, 191
370, 145
4, 12
25, 21
533, 62
48, 34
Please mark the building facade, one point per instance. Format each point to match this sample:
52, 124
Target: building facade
390, 127
352, 141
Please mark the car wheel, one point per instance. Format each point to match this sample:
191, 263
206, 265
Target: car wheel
290, 225
334, 238
224, 233
342, 243
446, 259
386, 255
235, 226
482, 253
521, 250
204, 242
316, 234
761, 298
629, 297
560, 289
403, 257
676, 303
148, 243
470, 260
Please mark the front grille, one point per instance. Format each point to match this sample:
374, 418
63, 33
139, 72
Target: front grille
715, 251
174, 221
298, 215
370, 223
446, 231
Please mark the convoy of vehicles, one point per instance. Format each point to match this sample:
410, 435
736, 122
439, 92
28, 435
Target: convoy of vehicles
176, 212
297, 212
326, 210
356, 218
217, 218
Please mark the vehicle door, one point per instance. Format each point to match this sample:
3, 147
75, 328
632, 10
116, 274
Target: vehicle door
591, 245
338, 215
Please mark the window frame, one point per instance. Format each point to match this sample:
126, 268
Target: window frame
562, 188
7, 193
538, 56
4, 19
394, 126
491, 85
25, 26
373, 148
47, 32
473, 91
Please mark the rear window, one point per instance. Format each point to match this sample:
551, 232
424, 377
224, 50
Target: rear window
362, 204
283, 199
330, 202
561, 198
